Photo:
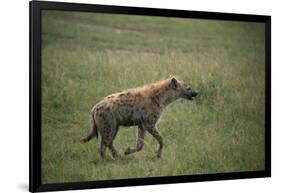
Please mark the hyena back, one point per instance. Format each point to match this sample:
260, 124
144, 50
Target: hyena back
140, 107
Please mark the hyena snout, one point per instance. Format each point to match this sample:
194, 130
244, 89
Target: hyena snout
194, 94
190, 95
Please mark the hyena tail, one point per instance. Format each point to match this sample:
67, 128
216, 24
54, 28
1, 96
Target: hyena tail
93, 133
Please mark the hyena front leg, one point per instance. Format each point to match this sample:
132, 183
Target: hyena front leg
156, 134
140, 142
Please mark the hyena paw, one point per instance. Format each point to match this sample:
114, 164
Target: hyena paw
158, 155
128, 151
116, 155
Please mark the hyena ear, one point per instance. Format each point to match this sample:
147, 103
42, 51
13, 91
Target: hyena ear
174, 84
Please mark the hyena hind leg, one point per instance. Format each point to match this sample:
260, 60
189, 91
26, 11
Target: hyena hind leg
102, 148
107, 142
114, 152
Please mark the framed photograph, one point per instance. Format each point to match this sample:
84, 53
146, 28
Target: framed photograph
126, 96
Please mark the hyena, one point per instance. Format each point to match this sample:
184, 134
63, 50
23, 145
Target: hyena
141, 107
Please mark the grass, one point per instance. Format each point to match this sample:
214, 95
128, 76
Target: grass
87, 56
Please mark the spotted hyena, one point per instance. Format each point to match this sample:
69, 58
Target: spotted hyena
140, 107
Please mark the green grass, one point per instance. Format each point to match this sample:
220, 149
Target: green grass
86, 57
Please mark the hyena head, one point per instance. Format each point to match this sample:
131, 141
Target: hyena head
182, 89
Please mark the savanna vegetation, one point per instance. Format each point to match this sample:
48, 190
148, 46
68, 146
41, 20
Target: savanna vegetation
87, 56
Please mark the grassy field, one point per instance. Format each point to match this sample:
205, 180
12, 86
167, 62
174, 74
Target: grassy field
86, 57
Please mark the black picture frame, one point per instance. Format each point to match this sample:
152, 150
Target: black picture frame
35, 9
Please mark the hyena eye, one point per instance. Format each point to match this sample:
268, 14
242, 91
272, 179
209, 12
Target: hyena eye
189, 89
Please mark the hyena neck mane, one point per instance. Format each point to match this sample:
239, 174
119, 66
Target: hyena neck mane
161, 93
